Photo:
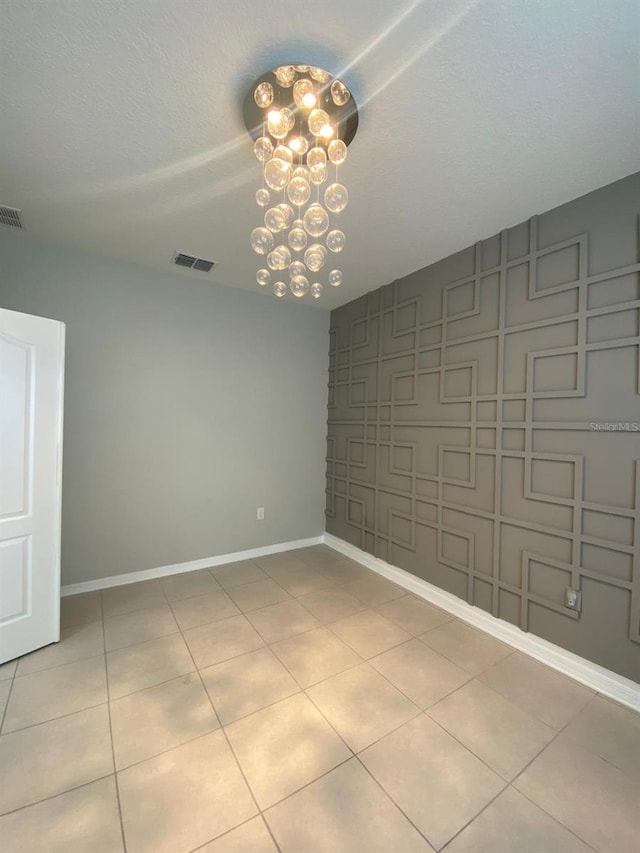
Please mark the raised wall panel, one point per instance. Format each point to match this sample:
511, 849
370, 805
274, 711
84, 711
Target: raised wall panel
487, 470
15, 578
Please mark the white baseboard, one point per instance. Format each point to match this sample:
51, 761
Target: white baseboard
592, 675
191, 566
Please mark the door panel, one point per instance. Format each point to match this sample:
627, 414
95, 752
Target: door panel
31, 392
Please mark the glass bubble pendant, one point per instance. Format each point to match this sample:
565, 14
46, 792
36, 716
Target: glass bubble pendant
335, 240
320, 75
303, 94
263, 277
287, 213
279, 258
283, 152
274, 220
277, 124
297, 239
263, 148
339, 93
280, 289
299, 285
263, 197
316, 290
316, 220
299, 145
316, 157
285, 75
298, 191
317, 120
276, 173
261, 240
263, 95
318, 175
296, 268
335, 278
336, 197
315, 257
337, 151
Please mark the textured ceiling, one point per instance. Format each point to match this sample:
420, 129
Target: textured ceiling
121, 129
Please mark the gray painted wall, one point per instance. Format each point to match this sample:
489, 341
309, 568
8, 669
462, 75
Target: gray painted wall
187, 406
460, 404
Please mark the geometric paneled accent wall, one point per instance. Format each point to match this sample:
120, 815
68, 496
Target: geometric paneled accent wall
484, 424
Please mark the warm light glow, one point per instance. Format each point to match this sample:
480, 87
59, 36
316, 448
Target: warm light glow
295, 144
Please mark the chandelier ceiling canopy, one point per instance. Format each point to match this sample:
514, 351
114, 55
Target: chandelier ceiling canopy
301, 120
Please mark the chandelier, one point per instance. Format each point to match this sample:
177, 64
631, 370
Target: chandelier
301, 120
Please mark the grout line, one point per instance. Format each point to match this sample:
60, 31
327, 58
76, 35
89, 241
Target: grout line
222, 729
268, 645
6, 704
58, 794
53, 719
389, 797
113, 750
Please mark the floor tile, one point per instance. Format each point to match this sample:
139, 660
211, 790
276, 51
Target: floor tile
343, 812
7, 670
183, 798
76, 643
246, 684
471, 649
218, 641
282, 620
234, 574
301, 579
86, 820
251, 837
315, 655
413, 614
497, 731
284, 747
146, 664
591, 797
188, 584
436, 782
369, 633
80, 609
56, 692
191, 612
53, 757
139, 626
273, 564
361, 705
420, 673
251, 596
5, 689
536, 688
374, 590
513, 823
610, 731
132, 596
328, 605
151, 721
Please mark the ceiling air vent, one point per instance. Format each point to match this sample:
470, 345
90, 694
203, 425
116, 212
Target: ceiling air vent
192, 263
11, 216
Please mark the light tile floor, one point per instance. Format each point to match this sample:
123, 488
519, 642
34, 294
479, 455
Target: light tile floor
301, 703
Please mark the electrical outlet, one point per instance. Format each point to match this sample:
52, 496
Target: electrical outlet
573, 598
260, 513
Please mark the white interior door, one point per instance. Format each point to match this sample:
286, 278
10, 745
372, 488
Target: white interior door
31, 394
